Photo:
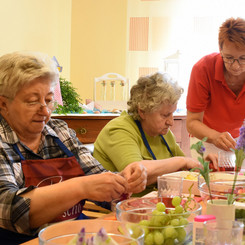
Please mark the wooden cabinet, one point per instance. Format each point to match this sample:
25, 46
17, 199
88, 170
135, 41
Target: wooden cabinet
181, 134
88, 126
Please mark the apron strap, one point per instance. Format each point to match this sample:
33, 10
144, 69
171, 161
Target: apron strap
57, 141
63, 147
16, 148
167, 146
146, 142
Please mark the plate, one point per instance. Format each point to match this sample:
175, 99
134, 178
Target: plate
189, 178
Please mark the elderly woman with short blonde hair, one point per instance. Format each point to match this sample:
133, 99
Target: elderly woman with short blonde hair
46, 174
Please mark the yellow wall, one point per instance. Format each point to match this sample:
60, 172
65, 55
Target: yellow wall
37, 25
98, 41
88, 37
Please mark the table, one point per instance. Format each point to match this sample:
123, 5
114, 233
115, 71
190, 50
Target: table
31, 242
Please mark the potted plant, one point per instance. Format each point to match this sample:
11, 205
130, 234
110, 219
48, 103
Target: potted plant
71, 99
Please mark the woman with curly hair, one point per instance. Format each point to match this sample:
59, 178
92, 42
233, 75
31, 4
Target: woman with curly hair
142, 134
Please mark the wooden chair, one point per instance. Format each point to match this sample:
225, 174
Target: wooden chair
111, 91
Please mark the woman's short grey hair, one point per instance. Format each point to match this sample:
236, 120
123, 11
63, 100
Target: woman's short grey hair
20, 68
151, 92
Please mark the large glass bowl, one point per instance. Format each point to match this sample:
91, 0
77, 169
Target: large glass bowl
141, 211
62, 233
221, 185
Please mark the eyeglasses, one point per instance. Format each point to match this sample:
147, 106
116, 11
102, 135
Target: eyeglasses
231, 60
51, 105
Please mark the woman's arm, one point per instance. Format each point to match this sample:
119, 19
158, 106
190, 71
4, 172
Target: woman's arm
197, 128
156, 168
50, 201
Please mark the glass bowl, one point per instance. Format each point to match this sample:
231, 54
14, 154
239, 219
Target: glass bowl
62, 233
221, 185
160, 227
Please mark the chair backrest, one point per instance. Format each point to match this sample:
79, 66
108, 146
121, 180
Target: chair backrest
111, 90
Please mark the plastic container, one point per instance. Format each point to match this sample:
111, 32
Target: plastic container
198, 228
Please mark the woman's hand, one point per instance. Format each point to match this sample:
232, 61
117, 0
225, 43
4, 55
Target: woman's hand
192, 163
136, 176
212, 158
224, 141
103, 187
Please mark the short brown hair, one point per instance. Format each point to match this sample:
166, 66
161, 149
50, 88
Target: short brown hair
232, 30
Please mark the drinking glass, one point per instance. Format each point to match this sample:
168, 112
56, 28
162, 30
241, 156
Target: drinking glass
169, 187
223, 232
226, 161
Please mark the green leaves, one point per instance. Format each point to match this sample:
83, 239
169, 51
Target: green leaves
205, 170
70, 97
189, 199
240, 156
199, 147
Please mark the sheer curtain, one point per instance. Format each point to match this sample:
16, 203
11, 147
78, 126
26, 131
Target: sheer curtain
171, 35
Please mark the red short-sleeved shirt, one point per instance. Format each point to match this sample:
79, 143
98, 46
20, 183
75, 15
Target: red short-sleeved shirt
208, 92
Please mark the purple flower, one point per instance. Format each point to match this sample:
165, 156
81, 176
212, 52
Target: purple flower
201, 150
90, 241
81, 237
81, 240
240, 156
102, 234
241, 139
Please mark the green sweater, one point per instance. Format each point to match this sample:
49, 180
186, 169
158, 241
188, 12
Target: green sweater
120, 143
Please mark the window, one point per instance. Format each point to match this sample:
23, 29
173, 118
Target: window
172, 35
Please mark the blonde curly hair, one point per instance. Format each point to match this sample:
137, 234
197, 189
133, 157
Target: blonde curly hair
151, 92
